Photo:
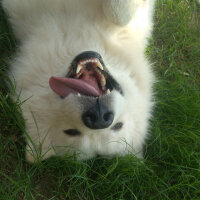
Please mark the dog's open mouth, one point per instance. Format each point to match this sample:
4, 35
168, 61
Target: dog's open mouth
87, 76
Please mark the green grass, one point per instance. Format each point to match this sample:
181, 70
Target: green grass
172, 155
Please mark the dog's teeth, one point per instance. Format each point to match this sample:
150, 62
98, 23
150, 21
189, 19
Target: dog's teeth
79, 67
103, 81
83, 62
103, 88
108, 91
99, 65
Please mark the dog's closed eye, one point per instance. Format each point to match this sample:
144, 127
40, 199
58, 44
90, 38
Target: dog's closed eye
72, 132
117, 126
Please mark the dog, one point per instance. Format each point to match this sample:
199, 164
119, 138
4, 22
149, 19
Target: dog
82, 75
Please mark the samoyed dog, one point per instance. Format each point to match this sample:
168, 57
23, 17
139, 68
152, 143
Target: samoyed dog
82, 75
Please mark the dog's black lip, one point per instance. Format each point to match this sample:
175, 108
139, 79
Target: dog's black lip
111, 83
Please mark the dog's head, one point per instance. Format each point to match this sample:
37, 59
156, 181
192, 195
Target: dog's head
100, 103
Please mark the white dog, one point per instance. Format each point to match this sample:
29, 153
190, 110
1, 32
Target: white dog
82, 75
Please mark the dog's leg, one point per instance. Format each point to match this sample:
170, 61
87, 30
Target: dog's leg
24, 14
20, 15
121, 12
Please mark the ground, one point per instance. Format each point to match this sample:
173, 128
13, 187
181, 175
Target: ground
171, 169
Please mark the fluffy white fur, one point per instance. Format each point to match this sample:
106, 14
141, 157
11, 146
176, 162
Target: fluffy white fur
51, 34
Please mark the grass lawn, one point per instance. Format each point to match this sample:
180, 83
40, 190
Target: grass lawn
172, 155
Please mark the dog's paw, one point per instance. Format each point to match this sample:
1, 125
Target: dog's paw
119, 12
30, 157
33, 156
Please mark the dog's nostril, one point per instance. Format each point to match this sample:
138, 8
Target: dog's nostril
108, 116
91, 117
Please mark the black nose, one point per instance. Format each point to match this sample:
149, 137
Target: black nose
98, 117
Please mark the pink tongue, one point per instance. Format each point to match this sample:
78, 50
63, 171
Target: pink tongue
64, 86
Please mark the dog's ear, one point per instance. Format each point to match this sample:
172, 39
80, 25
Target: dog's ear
119, 12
